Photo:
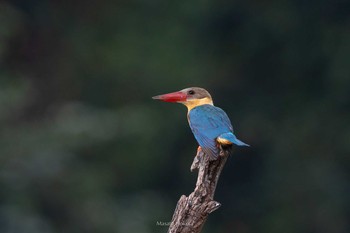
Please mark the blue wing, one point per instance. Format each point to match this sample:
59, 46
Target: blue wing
207, 122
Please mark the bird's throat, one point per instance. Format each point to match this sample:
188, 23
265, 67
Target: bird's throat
190, 104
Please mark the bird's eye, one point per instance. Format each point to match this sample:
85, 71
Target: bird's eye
191, 92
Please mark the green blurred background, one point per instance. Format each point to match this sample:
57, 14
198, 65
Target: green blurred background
84, 148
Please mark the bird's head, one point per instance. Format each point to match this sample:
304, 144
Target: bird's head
191, 97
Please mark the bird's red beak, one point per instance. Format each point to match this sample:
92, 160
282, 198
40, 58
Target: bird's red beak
172, 97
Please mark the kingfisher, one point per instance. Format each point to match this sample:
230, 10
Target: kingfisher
210, 125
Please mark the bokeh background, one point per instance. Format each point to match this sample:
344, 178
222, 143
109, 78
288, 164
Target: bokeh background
84, 148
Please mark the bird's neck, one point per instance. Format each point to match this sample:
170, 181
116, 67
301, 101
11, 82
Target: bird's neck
190, 104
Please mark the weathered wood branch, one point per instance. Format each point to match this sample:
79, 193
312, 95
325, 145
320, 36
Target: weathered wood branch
191, 212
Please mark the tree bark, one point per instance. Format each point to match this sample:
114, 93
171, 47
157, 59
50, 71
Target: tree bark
191, 212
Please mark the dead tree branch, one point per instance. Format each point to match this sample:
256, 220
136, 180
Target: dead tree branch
191, 212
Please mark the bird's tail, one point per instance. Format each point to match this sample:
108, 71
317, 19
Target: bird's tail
231, 138
240, 143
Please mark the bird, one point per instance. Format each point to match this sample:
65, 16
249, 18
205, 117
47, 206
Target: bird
210, 125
